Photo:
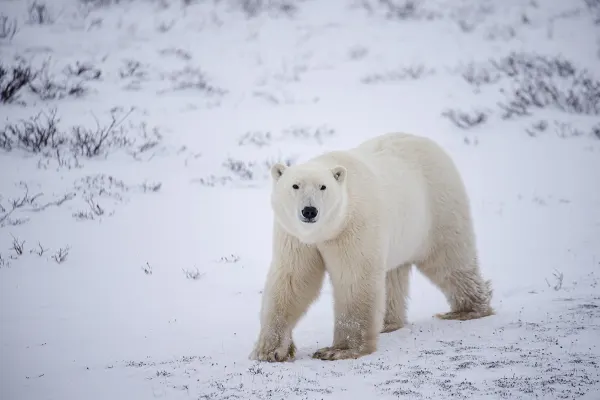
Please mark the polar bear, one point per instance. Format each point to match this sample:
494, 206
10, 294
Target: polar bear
365, 216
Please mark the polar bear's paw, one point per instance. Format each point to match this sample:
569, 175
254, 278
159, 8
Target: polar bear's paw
337, 353
391, 327
273, 352
466, 315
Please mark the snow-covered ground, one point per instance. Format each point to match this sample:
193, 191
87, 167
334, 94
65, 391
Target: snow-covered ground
132, 256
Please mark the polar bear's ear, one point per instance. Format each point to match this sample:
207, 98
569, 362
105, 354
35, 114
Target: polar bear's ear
339, 173
277, 170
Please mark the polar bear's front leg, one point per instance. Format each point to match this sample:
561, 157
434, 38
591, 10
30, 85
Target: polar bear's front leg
396, 289
359, 305
293, 283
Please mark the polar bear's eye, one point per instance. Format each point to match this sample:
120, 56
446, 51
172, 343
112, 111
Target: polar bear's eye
295, 186
323, 187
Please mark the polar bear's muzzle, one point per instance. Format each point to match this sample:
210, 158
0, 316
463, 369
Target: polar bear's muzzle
309, 214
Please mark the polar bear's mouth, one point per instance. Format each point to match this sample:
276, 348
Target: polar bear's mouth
308, 221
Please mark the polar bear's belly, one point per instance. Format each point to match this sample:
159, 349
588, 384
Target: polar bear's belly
408, 233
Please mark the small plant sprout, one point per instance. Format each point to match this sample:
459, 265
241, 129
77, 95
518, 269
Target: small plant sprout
4, 262
147, 269
255, 369
95, 210
412, 72
84, 70
232, 258
558, 280
194, 275
8, 27
466, 120
18, 246
151, 186
61, 255
95, 207
39, 14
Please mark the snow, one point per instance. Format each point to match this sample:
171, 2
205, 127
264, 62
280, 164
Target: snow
120, 319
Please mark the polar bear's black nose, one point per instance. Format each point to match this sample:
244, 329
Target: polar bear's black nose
309, 212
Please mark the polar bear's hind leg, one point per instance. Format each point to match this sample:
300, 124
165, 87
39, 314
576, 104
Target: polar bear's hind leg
457, 275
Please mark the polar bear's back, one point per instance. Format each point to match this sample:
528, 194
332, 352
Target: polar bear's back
406, 148
403, 155
423, 193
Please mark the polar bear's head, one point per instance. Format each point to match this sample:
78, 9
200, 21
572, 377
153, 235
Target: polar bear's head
309, 201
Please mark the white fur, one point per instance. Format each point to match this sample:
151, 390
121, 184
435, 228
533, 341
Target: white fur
394, 201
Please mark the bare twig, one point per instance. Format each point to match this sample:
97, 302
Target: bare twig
90, 143
56, 203
39, 251
34, 135
19, 203
13, 79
